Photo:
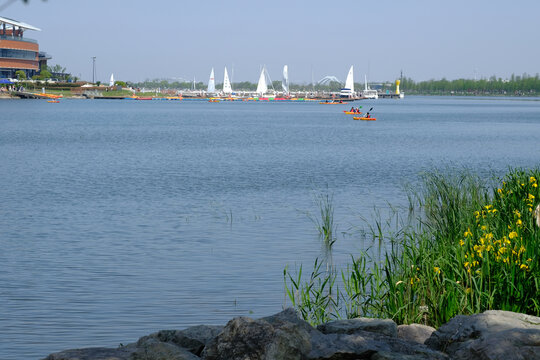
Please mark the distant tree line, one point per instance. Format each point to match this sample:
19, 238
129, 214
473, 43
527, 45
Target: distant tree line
524, 85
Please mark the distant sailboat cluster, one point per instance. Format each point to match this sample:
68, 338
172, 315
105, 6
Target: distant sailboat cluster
262, 84
265, 87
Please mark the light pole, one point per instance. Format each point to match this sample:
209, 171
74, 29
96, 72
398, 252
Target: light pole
93, 69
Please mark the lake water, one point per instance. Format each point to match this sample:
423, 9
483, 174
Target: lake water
120, 218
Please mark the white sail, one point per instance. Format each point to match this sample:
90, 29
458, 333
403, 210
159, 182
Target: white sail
365, 83
111, 81
261, 85
285, 81
211, 83
348, 90
227, 89
349, 83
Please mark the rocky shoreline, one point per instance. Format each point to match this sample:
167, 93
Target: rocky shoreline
490, 335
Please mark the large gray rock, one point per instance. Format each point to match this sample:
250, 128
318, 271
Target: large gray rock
146, 349
121, 353
415, 332
153, 349
490, 335
275, 338
286, 336
194, 338
367, 345
382, 326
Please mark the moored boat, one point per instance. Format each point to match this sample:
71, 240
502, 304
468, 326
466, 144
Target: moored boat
369, 93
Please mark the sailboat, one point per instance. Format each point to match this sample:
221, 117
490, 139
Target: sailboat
111, 80
285, 81
262, 88
262, 85
348, 90
211, 83
227, 89
369, 93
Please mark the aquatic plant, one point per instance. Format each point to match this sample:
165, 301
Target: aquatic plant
325, 223
465, 246
316, 298
313, 298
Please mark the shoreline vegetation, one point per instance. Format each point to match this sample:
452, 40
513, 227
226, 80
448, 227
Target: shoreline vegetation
465, 245
518, 86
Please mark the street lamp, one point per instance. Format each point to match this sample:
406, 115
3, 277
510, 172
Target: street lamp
93, 69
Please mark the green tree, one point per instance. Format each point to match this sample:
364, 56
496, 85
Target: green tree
58, 69
20, 74
45, 74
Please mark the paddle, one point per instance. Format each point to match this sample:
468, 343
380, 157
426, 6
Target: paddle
367, 114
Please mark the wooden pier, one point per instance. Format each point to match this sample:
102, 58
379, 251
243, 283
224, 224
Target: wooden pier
27, 95
389, 96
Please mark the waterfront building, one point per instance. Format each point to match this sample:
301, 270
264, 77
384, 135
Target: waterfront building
18, 52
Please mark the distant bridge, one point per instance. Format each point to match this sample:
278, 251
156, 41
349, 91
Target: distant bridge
328, 79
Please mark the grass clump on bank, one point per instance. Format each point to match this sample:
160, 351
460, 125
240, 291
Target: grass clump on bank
465, 247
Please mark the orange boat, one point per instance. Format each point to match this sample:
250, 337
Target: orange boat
352, 113
364, 118
53, 101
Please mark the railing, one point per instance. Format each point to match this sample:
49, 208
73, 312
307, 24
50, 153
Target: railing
17, 38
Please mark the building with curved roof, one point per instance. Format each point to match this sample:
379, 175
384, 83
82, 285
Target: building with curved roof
18, 52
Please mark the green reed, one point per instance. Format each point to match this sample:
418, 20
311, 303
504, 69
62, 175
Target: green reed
325, 221
466, 245
313, 298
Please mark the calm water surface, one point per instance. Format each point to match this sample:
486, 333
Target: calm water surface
119, 218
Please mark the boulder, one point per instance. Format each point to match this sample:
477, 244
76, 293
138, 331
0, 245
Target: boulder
368, 345
491, 335
275, 338
415, 332
153, 349
286, 336
381, 326
121, 353
193, 339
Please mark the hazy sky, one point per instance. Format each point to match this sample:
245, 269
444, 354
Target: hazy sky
427, 39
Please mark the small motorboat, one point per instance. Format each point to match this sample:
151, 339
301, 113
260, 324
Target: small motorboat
364, 118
